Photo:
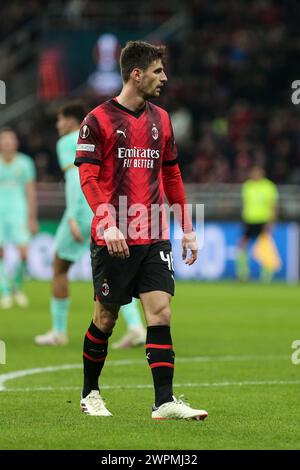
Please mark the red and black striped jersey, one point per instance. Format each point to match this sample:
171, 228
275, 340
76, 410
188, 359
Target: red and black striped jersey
130, 148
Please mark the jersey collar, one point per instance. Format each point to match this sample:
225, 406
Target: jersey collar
135, 114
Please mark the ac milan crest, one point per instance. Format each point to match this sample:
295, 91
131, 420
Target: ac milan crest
105, 289
154, 132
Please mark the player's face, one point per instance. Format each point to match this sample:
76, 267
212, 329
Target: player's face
152, 80
8, 142
63, 125
256, 173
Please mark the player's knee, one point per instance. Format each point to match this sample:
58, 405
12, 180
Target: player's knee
56, 267
105, 320
61, 267
107, 324
162, 315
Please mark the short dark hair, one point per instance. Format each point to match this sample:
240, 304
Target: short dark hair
7, 129
139, 54
75, 109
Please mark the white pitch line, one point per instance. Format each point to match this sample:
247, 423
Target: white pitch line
38, 370
124, 362
145, 386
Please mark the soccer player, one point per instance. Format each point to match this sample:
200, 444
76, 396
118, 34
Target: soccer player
127, 160
18, 217
259, 196
73, 236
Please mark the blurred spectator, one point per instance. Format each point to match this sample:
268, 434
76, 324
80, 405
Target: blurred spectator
182, 122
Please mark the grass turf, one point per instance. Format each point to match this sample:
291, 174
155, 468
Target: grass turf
233, 358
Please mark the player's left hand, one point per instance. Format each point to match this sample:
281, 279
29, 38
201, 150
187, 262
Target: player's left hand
189, 242
33, 226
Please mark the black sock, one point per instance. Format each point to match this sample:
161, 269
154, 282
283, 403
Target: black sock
160, 356
94, 354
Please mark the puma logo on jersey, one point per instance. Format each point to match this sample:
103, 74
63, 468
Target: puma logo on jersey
122, 132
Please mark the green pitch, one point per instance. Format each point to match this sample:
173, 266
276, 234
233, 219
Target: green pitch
233, 358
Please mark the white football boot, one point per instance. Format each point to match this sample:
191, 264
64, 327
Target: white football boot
6, 302
93, 405
21, 299
135, 336
177, 409
51, 338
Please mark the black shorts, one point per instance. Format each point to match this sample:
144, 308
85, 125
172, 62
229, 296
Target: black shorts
148, 268
252, 231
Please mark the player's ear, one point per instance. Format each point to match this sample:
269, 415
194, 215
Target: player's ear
136, 74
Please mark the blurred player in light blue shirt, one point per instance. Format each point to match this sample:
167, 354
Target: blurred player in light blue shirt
73, 233
17, 214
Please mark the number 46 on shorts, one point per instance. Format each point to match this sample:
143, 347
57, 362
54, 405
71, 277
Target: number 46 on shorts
168, 258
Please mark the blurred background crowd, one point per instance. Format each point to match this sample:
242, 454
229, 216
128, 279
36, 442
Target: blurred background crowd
231, 65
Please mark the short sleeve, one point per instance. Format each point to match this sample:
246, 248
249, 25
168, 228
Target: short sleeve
170, 152
65, 150
73, 193
29, 170
89, 145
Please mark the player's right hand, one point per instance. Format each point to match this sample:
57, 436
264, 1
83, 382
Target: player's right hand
116, 243
33, 226
76, 234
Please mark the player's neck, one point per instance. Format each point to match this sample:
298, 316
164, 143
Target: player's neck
8, 157
130, 100
73, 129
